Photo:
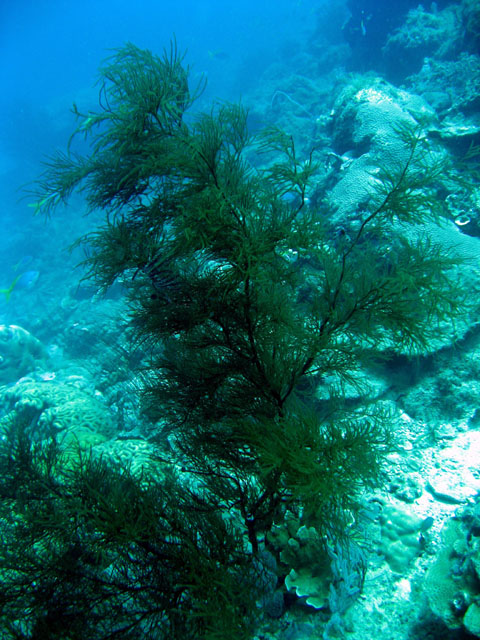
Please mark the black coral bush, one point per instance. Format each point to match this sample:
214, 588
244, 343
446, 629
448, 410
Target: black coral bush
256, 313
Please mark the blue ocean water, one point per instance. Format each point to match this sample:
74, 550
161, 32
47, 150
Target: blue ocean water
51, 51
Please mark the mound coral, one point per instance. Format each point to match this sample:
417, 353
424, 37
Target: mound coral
20, 353
452, 582
56, 409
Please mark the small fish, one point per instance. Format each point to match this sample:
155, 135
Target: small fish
290, 197
218, 55
85, 124
26, 280
294, 198
41, 203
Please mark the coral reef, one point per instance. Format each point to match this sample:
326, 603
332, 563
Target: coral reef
20, 353
366, 121
57, 409
141, 458
303, 554
424, 34
452, 582
470, 15
400, 537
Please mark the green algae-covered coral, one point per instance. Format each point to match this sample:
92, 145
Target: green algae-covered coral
56, 409
20, 353
303, 555
143, 459
452, 582
248, 301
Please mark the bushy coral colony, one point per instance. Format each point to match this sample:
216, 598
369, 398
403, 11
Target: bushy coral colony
275, 291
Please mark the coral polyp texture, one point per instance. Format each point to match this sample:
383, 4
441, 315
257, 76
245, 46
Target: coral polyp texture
452, 582
20, 353
56, 409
